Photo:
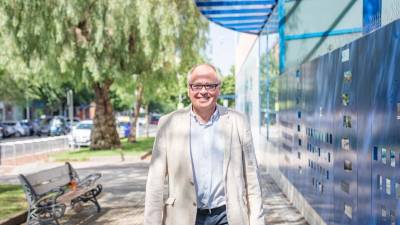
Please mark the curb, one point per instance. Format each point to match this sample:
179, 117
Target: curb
16, 219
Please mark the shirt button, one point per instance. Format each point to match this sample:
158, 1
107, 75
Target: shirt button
191, 182
194, 203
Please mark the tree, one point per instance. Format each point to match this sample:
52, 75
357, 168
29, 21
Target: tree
170, 57
98, 44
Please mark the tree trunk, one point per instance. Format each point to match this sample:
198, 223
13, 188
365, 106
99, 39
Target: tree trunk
138, 104
147, 120
104, 133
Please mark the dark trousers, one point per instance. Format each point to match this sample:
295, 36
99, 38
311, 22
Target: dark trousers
216, 216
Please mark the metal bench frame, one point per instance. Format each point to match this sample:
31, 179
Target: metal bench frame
46, 207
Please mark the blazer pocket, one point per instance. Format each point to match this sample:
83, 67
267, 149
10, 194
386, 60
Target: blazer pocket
170, 201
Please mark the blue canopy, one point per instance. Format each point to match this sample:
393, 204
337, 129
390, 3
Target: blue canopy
254, 17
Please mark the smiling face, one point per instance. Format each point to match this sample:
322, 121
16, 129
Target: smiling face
203, 88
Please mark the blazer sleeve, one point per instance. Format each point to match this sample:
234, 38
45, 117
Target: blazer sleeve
154, 204
254, 195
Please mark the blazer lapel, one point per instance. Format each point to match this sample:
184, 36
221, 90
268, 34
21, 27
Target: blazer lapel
185, 130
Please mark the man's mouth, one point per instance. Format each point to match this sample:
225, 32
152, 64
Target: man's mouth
204, 99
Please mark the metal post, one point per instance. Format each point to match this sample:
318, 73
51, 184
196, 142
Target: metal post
267, 84
70, 104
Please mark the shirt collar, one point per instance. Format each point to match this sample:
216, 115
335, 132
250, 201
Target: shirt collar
213, 118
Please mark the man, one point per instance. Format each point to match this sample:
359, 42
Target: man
206, 152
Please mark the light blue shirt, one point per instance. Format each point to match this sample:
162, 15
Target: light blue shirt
207, 154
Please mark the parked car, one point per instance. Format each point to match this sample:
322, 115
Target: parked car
8, 131
53, 126
36, 126
28, 126
1, 133
73, 123
16, 129
80, 134
155, 117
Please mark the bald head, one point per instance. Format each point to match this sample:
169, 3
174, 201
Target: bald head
204, 69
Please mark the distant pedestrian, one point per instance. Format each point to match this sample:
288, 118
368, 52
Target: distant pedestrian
206, 152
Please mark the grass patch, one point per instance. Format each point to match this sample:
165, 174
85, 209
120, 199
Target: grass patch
12, 200
141, 146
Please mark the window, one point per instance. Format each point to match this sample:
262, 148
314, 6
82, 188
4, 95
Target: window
398, 110
345, 186
388, 186
299, 115
300, 170
345, 55
327, 174
375, 157
347, 76
320, 187
298, 128
397, 189
383, 212
345, 99
348, 165
298, 155
329, 157
383, 155
319, 151
392, 158
347, 121
392, 217
330, 138
299, 142
379, 182
297, 73
348, 211
345, 144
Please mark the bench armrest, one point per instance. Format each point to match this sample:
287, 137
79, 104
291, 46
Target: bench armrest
89, 180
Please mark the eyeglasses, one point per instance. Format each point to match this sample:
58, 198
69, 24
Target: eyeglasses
199, 87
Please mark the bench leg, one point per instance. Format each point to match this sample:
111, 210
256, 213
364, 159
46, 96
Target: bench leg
96, 203
90, 196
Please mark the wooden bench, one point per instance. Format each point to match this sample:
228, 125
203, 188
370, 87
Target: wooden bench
50, 191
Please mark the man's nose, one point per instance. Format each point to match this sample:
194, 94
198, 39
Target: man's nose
203, 90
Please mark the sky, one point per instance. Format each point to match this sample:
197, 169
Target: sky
221, 47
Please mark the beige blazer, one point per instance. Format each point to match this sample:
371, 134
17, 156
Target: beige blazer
171, 159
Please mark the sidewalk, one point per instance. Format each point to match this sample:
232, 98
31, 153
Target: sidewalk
123, 194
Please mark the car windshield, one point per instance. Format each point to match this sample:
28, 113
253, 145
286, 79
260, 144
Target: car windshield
85, 126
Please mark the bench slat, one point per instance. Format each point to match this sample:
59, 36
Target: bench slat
67, 197
49, 179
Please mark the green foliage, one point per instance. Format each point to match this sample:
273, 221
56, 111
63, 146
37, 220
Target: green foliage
12, 200
228, 83
48, 45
